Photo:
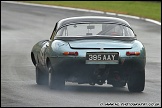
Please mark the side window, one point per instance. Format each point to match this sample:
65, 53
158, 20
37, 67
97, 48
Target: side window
54, 32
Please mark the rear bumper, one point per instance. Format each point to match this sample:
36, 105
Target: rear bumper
78, 64
76, 70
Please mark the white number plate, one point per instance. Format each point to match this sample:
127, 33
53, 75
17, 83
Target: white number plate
102, 58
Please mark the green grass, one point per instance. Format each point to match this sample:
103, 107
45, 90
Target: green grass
151, 10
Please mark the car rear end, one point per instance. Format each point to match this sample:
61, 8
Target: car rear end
99, 52
95, 61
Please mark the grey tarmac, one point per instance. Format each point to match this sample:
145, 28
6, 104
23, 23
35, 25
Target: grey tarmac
22, 26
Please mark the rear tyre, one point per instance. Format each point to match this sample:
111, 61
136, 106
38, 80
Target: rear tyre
136, 81
56, 79
41, 78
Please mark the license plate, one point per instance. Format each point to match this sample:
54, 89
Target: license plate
102, 58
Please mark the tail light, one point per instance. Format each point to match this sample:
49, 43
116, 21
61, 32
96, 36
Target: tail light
132, 53
71, 53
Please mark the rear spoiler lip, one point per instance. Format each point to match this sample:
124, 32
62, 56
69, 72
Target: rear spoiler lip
98, 48
71, 38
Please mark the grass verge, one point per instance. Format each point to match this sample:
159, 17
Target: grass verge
151, 10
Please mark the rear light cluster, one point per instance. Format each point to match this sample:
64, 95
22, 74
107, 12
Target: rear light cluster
71, 53
76, 53
132, 53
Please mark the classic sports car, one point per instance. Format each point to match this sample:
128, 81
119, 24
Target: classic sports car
93, 50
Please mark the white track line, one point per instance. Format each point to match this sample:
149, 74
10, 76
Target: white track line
84, 10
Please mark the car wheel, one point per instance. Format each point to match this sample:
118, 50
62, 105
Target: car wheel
136, 81
56, 80
41, 78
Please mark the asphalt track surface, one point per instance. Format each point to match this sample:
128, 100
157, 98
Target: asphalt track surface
23, 26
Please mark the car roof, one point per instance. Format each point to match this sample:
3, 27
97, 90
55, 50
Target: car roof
83, 19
